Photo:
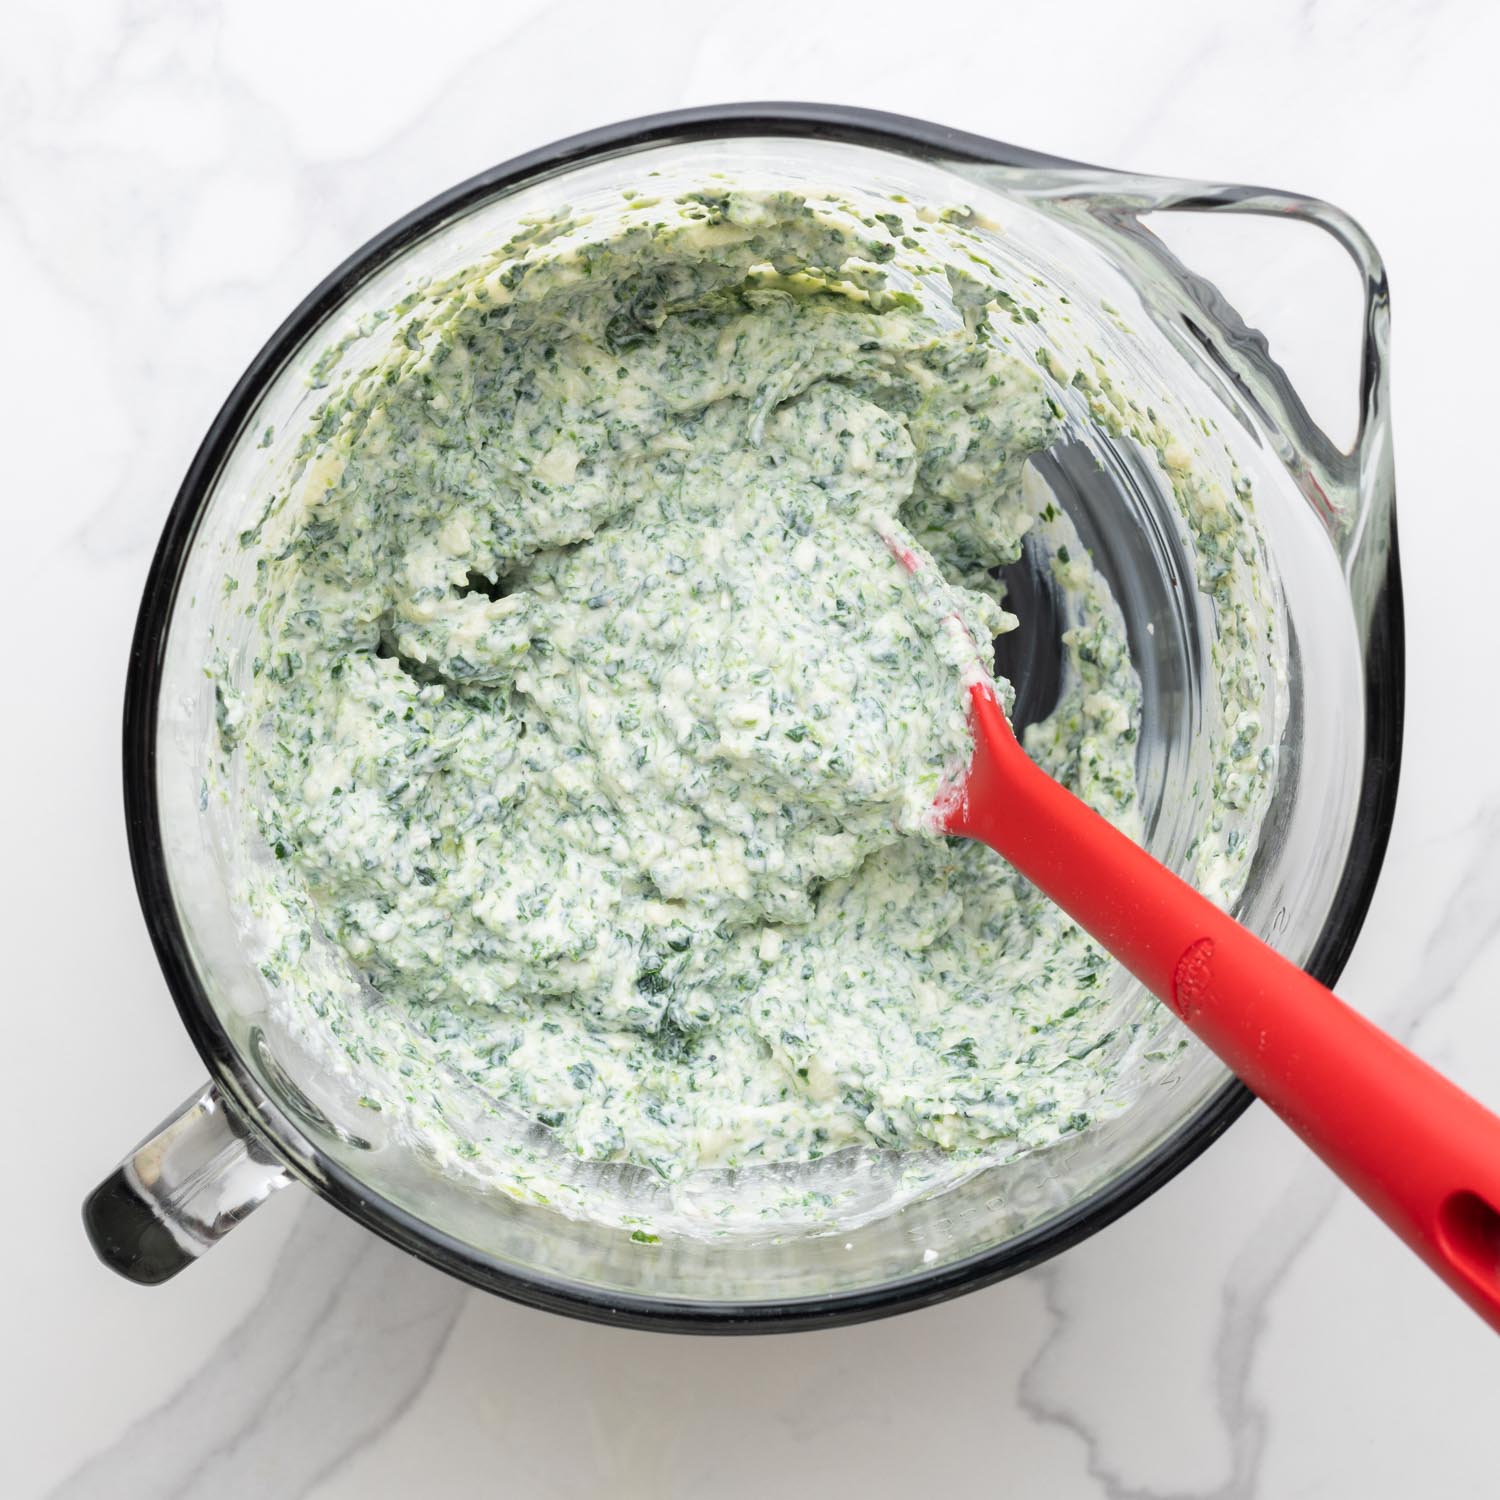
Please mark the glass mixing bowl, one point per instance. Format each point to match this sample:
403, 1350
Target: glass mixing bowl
272, 1114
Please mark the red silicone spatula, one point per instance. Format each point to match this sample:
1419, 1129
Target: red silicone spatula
1418, 1150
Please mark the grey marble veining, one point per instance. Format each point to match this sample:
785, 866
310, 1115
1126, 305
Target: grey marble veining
347, 1333
173, 177
1463, 938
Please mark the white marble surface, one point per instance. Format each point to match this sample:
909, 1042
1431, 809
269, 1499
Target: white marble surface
173, 176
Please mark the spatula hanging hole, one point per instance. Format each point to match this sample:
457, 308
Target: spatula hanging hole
1470, 1230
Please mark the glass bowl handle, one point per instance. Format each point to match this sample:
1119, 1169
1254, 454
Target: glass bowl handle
1352, 490
1247, 361
181, 1190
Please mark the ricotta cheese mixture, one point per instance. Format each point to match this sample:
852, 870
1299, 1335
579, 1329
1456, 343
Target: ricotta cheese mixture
596, 710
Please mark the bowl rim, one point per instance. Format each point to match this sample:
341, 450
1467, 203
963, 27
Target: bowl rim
1384, 695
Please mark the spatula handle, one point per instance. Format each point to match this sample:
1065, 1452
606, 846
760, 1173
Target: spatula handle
1422, 1153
